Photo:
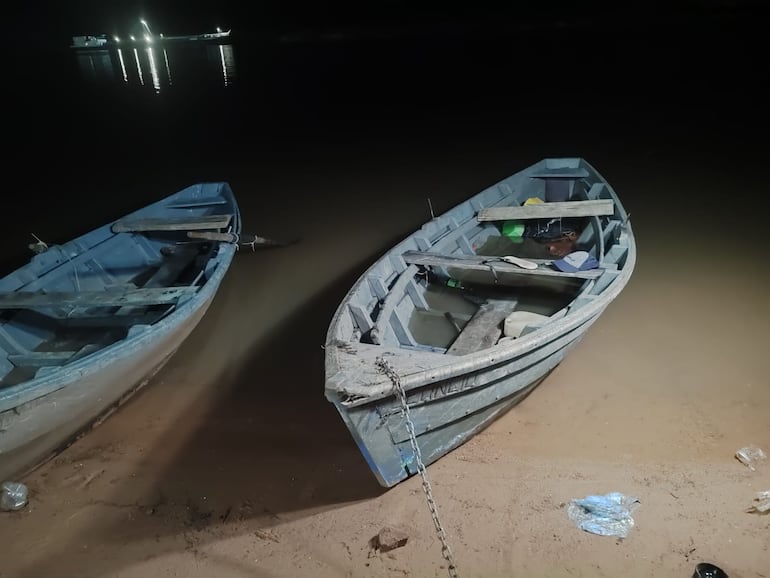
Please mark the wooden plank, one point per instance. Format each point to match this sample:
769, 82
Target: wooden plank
9, 343
198, 203
397, 292
476, 263
211, 236
108, 321
592, 208
561, 173
361, 317
484, 328
41, 358
136, 297
172, 266
177, 224
52, 358
86, 350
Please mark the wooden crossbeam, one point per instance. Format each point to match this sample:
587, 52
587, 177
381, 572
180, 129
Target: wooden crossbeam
177, 224
477, 263
52, 358
594, 208
152, 296
40, 358
561, 173
198, 203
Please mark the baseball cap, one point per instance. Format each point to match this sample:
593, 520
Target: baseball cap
576, 261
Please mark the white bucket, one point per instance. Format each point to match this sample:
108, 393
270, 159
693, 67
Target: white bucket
518, 320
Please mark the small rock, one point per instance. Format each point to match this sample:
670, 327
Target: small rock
390, 538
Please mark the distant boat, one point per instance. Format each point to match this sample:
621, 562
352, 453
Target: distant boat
85, 324
90, 42
102, 42
462, 319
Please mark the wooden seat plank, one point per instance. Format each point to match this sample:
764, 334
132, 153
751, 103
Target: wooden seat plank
198, 203
112, 320
149, 296
178, 224
477, 263
561, 173
592, 208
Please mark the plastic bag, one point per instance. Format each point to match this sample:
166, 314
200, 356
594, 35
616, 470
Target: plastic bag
13, 496
761, 503
751, 455
608, 515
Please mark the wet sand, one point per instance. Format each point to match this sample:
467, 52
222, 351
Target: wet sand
231, 463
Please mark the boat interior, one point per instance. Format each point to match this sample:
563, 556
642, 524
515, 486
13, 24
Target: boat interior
77, 298
449, 288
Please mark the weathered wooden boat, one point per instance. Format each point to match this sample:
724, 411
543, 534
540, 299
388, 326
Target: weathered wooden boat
459, 321
86, 323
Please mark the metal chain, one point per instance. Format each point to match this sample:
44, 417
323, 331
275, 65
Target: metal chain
446, 551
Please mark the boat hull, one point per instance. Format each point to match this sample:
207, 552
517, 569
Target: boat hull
380, 357
39, 429
447, 413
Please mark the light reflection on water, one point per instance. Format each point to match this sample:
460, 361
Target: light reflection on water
159, 67
228, 62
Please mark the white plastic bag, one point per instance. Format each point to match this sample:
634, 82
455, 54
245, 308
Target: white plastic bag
608, 515
13, 496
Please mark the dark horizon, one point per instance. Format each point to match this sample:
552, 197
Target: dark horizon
63, 20
681, 79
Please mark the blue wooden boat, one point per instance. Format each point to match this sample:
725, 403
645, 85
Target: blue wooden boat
87, 323
459, 321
